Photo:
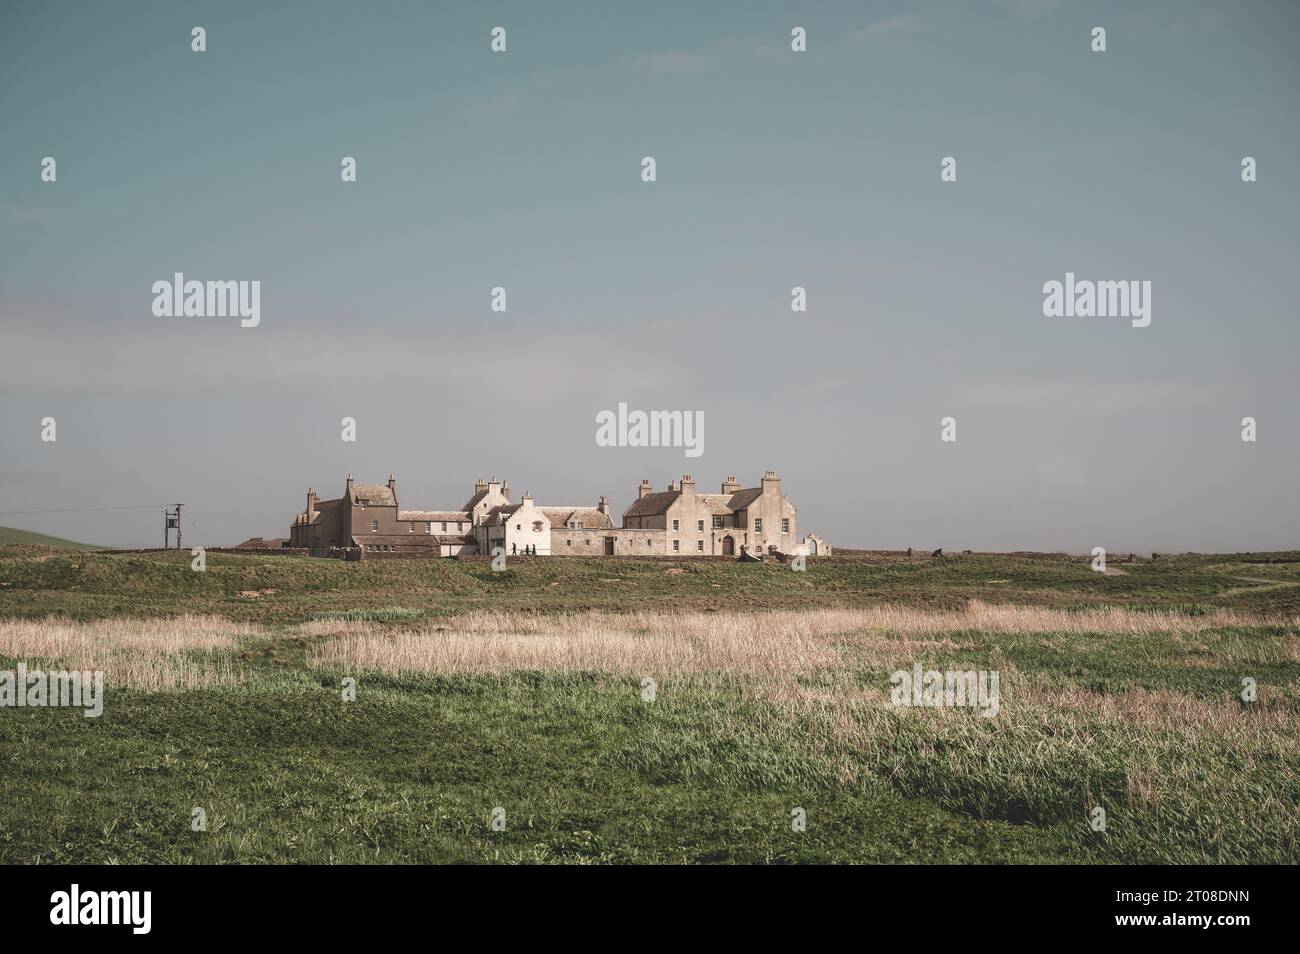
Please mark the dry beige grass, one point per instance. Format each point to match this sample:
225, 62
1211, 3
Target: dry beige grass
137, 653
492, 642
754, 644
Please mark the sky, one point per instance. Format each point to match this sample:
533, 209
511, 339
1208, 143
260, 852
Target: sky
774, 169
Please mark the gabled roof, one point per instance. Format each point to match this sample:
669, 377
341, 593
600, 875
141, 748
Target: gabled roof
377, 495
652, 504
322, 507
590, 517
474, 501
717, 503
743, 498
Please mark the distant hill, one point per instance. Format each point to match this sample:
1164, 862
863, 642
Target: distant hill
10, 535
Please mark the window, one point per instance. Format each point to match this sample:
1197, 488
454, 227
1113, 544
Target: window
717, 523
699, 545
374, 526
410, 527
758, 524
674, 524
785, 524
568, 543
677, 545
444, 526
537, 526
428, 526
699, 525
519, 526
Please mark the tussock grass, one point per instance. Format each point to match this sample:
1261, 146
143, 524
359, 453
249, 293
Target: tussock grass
151, 655
754, 644
388, 614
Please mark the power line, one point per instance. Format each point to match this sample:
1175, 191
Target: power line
8, 513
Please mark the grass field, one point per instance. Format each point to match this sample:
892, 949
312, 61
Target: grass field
527, 691
10, 536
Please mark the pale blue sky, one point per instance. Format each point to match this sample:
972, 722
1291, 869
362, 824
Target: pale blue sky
775, 169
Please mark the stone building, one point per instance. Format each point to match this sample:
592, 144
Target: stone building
368, 522
756, 518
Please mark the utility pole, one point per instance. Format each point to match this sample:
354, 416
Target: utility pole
172, 518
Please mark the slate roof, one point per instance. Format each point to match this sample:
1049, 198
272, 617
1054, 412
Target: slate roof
590, 517
652, 504
377, 495
743, 498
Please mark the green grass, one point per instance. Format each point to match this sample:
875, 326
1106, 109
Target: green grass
95, 585
10, 536
589, 772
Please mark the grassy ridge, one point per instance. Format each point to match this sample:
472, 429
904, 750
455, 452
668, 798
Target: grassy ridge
93, 585
10, 536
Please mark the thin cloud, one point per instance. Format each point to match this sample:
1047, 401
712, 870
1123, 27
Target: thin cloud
900, 24
1087, 395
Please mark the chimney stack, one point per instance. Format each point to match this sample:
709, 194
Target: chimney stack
731, 485
672, 486
311, 502
603, 506
644, 490
505, 489
480, 485
688, 485
771, 482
